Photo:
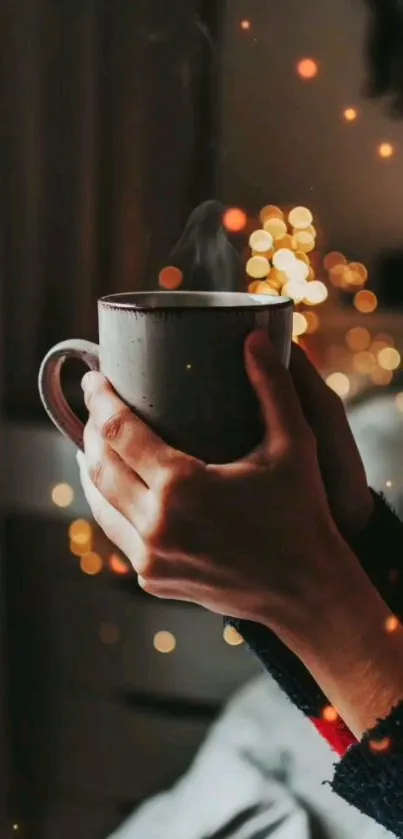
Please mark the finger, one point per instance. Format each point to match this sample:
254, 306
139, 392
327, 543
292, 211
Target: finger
118, 484
273, 385
115, 526
134, 442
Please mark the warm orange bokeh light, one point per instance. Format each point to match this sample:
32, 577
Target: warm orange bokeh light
307, 68
91, 563
392, 623
235, 219
170, 277
232, 637
350, 114
118, 565
365, 302
378, 746
245, 25
386, 150
330, 714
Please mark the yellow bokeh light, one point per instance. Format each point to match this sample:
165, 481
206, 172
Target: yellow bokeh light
275, 226
277, 278
312, 321
386, 150
364, 362
232, 637
389, 358
315, 293
80, 531
350, 114
265, 288
283, 259
164, 642
295, 290
399, 401
261, 241
365, 301
257, 267
170, 277
299, 324
62, 495
340, 383
269, 212
300, 218
358, 339
283, 242
330, 714
307, 68
91, 563
359, 269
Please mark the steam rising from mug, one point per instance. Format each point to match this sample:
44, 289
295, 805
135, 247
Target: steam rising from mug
204, 253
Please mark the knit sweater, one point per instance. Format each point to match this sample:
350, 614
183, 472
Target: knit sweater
370, 773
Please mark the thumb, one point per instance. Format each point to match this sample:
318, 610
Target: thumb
273, 385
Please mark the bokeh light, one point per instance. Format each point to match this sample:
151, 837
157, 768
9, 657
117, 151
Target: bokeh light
365, 301
62, 495
340, 383
91, 563
170, 277
312, 322
235, 219
386, 150
284, 259
257, 267
271, 211
350, 114
330, 714
299, 324
315, 293
232, 637
307, 68
245, 25
333, 259
364, 362
164, 642
380, 745
118, 565
300, 218
358, 339
389, 358
275, 226
261, 241
80, 531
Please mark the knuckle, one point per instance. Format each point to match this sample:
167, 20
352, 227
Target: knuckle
112, 429
157, 529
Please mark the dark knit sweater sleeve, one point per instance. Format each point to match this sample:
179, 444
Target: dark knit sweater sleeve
370, 775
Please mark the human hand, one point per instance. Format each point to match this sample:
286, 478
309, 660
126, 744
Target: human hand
253, 539
341, 466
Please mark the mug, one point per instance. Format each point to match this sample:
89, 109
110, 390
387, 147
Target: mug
177, 359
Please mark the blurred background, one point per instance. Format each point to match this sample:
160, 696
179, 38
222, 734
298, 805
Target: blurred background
117, 119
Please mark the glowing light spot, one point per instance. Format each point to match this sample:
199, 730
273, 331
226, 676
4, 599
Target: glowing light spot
300, 218
365, 301
245, 25
232, 637
270, 212
358, 339
299, 324
62, 495
295, 290
91, 563
364, 362
381, 745
261, 241
333, 259
399, 401
303, 241
170, 277
330, 714
253, 286
283, 242
80, 531
381, 378
257, 267
361, 271
307, 68
302, 257
283, 259
235, 219
312, 322
118, 565
80, 548
388, 484
350, 114
386, 150
109, 633
340, 383
277, 278
266, 288
275, 226
297, 270
15, 827
315, 293
389, 358
164, 642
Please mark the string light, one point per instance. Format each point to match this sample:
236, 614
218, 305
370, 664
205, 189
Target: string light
350, 114
307, 69
235, 219
170, 277
91, 563
164, 642
62, 495
232, 637
340, 383
365, 301
386, 150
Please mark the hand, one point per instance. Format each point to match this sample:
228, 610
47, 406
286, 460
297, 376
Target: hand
253, 539
342, 470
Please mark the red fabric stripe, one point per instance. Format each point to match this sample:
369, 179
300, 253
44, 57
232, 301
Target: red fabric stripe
336, 733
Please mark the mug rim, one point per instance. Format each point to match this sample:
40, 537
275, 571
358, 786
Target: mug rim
248, 301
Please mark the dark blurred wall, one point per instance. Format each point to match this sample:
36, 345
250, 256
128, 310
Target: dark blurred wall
286, 141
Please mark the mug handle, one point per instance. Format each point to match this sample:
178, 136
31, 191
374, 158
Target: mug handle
50, 388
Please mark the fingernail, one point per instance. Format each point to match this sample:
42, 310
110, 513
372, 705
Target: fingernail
86, 382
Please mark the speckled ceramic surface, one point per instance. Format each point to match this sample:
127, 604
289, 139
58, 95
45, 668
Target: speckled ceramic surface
177, 359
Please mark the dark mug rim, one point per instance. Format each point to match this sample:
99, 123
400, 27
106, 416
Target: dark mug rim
230, 301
